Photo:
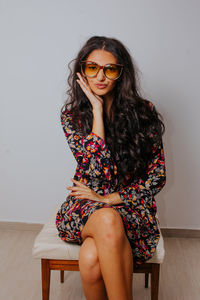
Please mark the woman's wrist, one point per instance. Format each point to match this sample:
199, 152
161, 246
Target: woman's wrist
113, 198
97, 111
98, 125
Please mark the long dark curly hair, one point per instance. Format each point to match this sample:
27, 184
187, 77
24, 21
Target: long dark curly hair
134, 126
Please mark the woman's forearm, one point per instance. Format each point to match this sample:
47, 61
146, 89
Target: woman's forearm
98, 125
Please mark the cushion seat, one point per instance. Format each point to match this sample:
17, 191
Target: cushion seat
48, 245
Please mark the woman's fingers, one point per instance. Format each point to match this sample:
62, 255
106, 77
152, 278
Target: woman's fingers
81, 78
94, 99
83, 82
81, 191
81, 195
83, 86
75, 194
78, 183
76, 189
85, 195
86, 90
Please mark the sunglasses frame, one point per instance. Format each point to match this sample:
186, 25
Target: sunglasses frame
100, 67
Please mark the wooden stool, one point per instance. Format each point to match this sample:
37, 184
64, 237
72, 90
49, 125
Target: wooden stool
56, 254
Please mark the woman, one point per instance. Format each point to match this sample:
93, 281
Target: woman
116, 138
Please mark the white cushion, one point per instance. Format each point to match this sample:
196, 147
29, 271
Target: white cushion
49, 245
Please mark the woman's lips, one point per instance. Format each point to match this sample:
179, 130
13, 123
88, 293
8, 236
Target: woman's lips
101, 86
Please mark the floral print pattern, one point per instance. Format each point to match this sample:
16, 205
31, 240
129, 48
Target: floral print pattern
97, 169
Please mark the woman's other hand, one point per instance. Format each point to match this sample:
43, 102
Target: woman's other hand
95, 100
81, 191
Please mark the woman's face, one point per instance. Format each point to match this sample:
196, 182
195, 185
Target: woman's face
100, 84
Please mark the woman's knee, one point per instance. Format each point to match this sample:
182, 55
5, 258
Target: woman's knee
88, 261
108, 216
106, 224
112, 225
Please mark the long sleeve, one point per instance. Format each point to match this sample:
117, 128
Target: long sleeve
141, 192
91, 152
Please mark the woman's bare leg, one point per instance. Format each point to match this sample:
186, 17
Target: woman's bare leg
114, 252
91, 277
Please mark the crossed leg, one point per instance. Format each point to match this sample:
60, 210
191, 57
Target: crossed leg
105, 259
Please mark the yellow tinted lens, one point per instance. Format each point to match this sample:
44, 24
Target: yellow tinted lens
91, 69
112, 71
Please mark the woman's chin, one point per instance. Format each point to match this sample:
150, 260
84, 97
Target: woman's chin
101, 93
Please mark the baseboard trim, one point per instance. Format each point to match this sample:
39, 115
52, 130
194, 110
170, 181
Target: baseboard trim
166, 232
20, 226
180, 233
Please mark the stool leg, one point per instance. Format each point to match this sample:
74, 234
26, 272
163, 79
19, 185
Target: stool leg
146, 280
61, 276
46, 273
155, 281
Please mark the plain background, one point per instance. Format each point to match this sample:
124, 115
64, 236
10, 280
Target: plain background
38, 39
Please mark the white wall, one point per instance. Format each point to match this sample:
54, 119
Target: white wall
38, 39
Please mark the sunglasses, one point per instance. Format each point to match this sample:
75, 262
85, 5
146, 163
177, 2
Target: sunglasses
111, 71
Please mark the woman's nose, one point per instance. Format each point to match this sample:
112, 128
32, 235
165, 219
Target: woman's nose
100, 75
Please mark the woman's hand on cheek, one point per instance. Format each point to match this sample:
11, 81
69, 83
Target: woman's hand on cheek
80, 191
95, 100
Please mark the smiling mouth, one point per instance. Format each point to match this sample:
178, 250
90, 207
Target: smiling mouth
101, 86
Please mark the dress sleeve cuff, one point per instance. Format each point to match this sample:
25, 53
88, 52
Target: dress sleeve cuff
135, 195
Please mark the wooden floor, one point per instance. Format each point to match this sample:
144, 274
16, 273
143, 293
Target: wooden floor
20, 277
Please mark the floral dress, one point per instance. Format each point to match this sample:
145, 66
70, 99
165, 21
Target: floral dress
97, 169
